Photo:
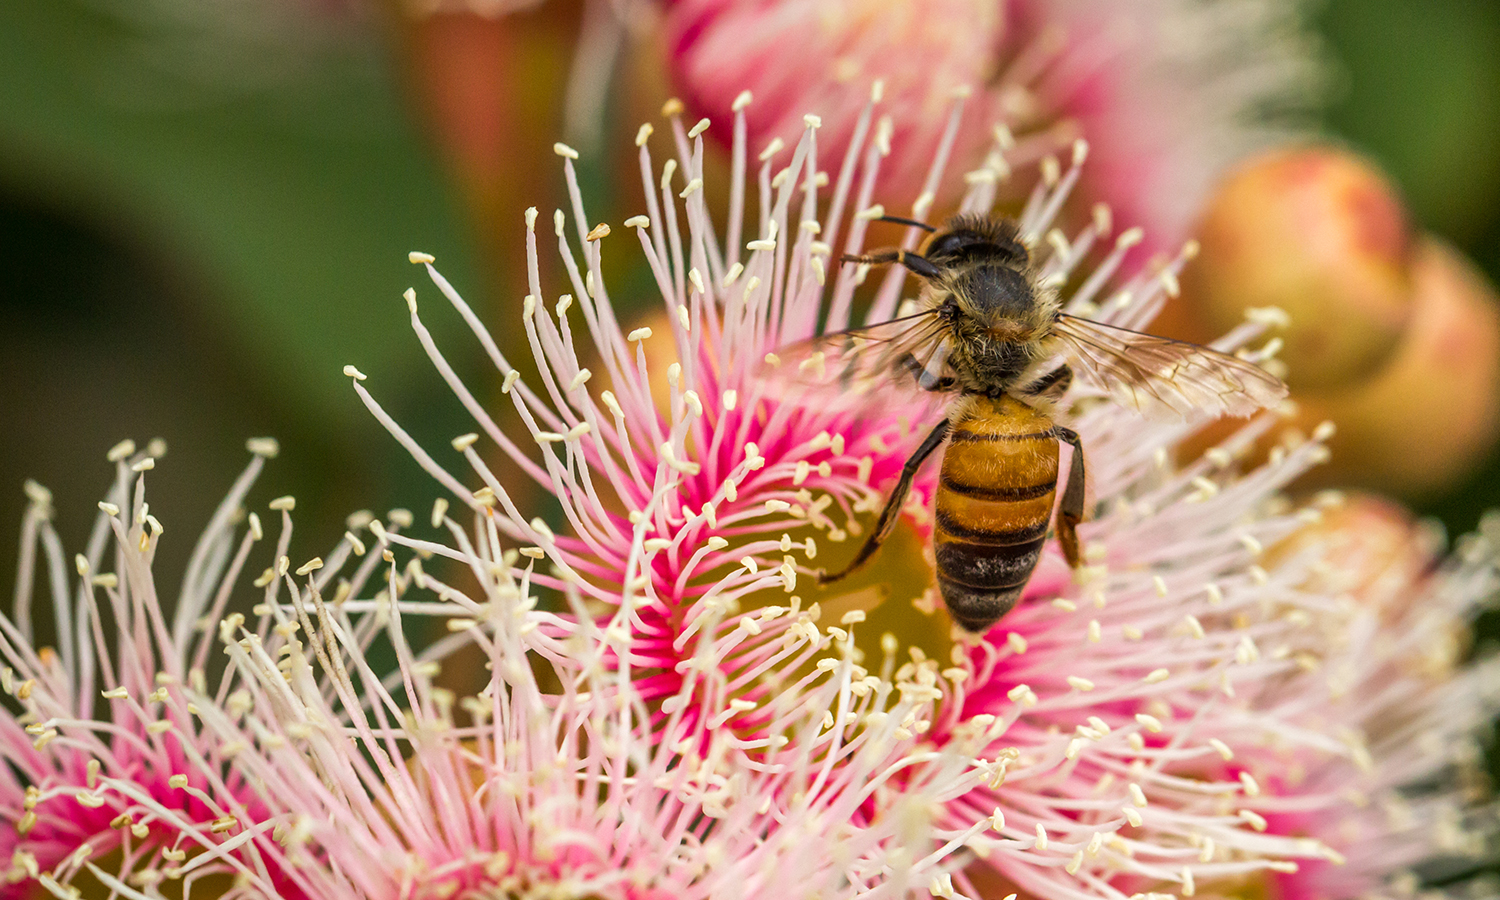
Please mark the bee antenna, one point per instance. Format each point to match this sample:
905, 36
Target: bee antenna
902, 220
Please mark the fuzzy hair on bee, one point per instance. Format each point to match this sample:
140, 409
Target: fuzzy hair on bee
985, 286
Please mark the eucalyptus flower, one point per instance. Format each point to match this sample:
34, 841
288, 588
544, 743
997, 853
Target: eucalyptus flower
649, 696
1170, 92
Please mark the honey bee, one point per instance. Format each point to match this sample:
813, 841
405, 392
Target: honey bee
996, 342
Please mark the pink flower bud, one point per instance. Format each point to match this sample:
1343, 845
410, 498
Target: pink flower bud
1320, 234
1430, 412
1369, 543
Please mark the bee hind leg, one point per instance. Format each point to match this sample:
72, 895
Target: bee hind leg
1070, 512
892, 511
1051, 387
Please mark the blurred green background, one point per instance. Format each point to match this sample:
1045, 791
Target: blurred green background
206, 218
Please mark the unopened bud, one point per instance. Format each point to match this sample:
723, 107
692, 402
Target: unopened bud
1431, 412
1319, 233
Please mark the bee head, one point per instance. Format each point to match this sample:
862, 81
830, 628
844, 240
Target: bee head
976, 239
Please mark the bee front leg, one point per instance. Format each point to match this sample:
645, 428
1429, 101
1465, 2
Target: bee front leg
915, 262
892, 511
1070, 513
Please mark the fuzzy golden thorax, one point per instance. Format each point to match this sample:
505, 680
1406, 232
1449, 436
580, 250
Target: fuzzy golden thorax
998, 325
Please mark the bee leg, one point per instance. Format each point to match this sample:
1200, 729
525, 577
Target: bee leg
916, 262
1070, 513
1051, 386
892, 511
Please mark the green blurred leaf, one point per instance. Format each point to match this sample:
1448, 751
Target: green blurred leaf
271, 158
1421, 95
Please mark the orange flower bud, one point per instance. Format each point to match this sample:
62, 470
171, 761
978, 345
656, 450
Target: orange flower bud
1321, 234
1373, 547
1432, 410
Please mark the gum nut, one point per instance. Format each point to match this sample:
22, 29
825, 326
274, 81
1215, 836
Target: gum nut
1319, 233
1373, 547
1431, 413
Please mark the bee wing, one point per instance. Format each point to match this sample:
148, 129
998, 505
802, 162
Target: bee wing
1145, 371
908, 355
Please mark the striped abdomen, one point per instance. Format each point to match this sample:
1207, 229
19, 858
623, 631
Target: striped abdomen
994, 503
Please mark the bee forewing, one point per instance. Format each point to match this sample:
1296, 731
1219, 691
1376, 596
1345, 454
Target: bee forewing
903, 360
935, 370
1151, 373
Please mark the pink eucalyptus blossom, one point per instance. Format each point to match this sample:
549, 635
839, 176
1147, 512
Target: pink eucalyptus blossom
666, 709
557, 785
1168, 91
1382, 682
106, 760
1115, 698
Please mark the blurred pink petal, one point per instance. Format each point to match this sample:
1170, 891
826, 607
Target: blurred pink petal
1169, 91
